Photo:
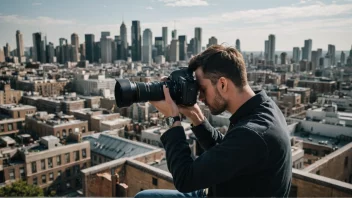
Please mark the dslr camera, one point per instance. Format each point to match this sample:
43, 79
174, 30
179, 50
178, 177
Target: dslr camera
181, 83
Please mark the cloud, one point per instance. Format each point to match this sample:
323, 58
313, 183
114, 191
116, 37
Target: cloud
149, 8
41, 20
185, 3
36, 3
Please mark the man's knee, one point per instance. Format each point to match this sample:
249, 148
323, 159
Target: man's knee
144, 193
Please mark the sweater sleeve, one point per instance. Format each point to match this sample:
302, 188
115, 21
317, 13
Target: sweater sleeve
207, 135
239, 152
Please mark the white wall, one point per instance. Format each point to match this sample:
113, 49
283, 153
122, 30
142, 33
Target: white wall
324, 129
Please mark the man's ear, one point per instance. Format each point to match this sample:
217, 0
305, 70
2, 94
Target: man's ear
223, 84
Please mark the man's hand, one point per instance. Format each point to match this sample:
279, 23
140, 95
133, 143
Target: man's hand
167, 106
193, 113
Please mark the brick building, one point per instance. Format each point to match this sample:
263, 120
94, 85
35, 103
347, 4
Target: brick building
49, 165
8, 95
45, 88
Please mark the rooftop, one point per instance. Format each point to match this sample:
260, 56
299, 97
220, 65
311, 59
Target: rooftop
15, 107
115, 147
320, 140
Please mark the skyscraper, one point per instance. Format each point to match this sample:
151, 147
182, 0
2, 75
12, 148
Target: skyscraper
97, 52
7, 50
238, 45
182, 39
266, 50
82, 50
39, 47
283, 58
343, 58
197, 40
118, 47
2, 56
105, 47
89, 38
174, 51
212, 41
271, 48
332, 54
307, 50
174, 34
159, 44
63, 58
165, 39
124, 45
136, 41
315, 60
147, 46
190, 48
75, 45
320, 52
20, 45
296, 55
50, 52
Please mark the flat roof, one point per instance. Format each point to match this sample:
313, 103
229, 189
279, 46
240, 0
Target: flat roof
332, 142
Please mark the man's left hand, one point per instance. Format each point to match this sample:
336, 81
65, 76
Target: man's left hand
167, 106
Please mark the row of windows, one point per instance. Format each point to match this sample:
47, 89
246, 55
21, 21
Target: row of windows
68, 173
58, 160
12, 174
64, 133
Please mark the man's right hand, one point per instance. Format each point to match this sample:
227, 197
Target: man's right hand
193, 113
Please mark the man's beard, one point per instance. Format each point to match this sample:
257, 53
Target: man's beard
219, 105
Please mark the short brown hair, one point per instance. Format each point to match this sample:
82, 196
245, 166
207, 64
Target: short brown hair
219, 61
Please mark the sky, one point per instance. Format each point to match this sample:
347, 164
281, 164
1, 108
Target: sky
251, 21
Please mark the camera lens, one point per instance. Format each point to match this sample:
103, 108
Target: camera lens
127, 92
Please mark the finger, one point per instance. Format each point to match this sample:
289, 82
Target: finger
163, 79
167, 94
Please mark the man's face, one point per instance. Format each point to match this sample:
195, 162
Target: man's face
209, 94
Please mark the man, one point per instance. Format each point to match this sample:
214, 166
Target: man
252, 159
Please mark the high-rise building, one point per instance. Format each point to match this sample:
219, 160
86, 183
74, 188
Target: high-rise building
276, 59
182, 39
212, 41
165, 39
82, 51
174, 34
75, 45
147, 46
266, 50
50, 53
343, 58
174, 51
283, 58
296, 55
271, 48
197, 40
97, 52
136, 41
124, 46
320, 52
332, 54
39, 47
89, 38
315, 60
238, 45
2, 56
307, 50
159, 44
117, 42
105, 44
7, 50
20, 46
63, 57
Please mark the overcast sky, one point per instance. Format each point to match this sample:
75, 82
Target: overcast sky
292, 21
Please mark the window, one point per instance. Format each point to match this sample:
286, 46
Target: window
155, 181
12, 174
69, 131
68, 172
50, 162
84, 153
76, 169
95, 157
76, 155
76, 130
43, 179
67, 157
64, 133
58, 134
43, 164
318, 172
35, 181
59, 173
22, 174
9, 126
100, 160
68, 185
346, 162
58, 160
51, 176
2, 128
83, 129
78, 182
34, 167
18, 114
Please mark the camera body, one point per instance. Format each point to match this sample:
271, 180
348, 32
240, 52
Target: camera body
182, 87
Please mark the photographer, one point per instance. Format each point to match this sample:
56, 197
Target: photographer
252, 159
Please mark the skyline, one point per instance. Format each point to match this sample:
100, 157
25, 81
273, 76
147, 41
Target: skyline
292, 21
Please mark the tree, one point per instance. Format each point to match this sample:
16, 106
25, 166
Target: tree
21, 189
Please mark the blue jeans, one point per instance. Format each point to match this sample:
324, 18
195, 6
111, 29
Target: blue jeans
169, 193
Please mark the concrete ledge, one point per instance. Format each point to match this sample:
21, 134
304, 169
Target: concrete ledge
150, 169
104, 166
323, 181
